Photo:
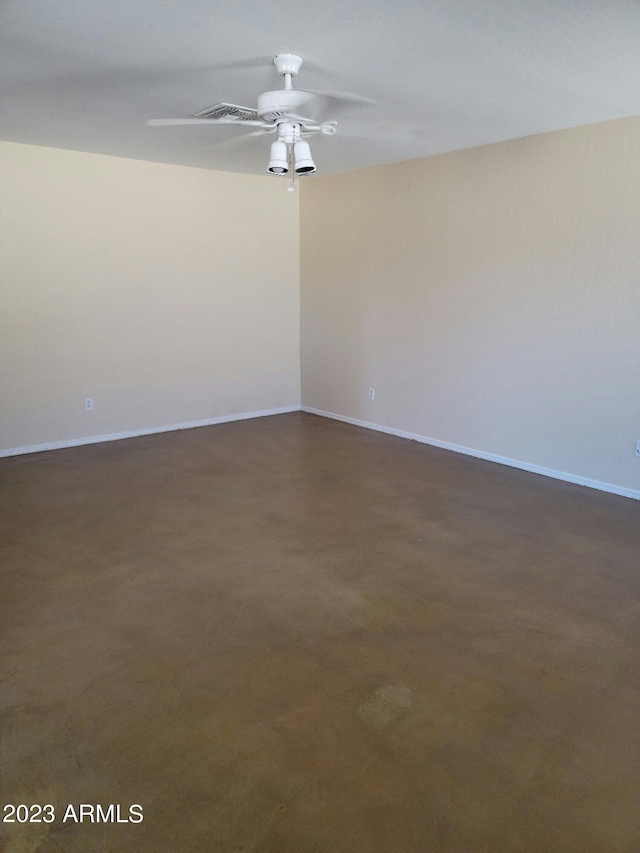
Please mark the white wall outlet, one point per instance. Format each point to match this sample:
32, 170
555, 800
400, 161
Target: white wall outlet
372, 394
88, 404
638, 447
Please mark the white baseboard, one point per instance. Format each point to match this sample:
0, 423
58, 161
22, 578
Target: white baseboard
479, 454
445, 445
117, 436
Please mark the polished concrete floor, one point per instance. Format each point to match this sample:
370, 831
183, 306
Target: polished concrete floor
291, 635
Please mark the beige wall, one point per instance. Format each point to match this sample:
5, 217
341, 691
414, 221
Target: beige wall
491, 297
166, 294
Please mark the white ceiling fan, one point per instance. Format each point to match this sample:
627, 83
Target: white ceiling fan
281, 112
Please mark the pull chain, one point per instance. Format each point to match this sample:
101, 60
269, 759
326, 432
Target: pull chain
292, 182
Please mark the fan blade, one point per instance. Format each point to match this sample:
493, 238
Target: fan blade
236, 141
377, 132
349, 97
167, 122
324, 105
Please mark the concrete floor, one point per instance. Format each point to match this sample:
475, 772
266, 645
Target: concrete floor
290, 635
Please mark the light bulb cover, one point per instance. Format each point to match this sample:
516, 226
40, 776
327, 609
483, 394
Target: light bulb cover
304, 164
278, 160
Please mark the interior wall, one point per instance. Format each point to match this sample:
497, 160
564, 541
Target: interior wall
166, 294
490, 296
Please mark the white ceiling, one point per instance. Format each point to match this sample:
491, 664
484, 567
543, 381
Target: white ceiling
446, 74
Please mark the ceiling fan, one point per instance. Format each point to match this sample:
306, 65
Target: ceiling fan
280, 112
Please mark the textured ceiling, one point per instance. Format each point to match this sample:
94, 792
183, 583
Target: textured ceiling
446, 74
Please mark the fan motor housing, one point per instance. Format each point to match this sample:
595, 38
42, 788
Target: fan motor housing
277, 105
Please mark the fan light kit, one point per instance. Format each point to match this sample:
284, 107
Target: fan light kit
280, 112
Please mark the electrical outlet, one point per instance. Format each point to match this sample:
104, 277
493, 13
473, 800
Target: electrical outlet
638, 447
88, 404
372, 394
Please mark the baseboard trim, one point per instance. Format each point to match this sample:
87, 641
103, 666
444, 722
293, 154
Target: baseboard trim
445, 445
117, 436
479, 454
